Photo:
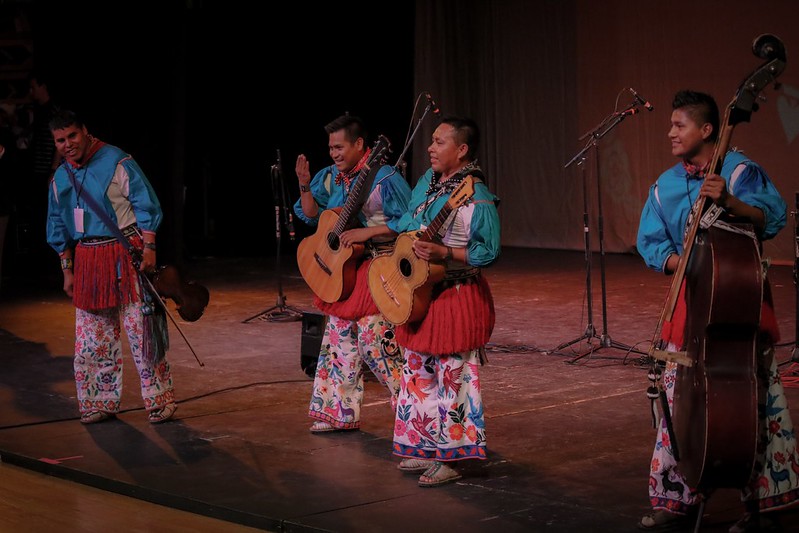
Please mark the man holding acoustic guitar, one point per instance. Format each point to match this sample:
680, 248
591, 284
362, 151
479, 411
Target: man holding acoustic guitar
355, 203
453, 228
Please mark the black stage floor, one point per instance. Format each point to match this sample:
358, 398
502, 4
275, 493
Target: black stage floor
569, 437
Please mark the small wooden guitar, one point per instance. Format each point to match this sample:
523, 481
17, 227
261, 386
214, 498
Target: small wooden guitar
327, 267
400, 282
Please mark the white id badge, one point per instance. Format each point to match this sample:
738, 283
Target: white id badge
78, 214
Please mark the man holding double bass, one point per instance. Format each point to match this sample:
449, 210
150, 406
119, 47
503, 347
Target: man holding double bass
746, 194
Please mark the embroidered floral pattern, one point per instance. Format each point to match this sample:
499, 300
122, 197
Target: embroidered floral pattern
442, 421
337, 392
98, 360
777, 464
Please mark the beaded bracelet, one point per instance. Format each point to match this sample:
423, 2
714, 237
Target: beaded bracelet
66, 263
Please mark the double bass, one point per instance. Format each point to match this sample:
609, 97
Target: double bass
713, 424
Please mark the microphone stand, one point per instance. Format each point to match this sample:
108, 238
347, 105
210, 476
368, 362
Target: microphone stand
409, 140
605, 341
280, 312
795, 351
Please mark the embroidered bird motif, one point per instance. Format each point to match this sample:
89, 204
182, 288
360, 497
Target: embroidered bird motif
771, 408
417, 385
420, 425
452, 379
476, 414
475, 376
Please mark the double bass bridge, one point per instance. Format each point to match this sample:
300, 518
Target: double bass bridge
681, 358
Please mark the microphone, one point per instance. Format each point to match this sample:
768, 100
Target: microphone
641, 100
436, 110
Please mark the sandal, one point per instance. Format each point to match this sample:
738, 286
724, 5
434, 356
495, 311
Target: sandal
326, 427
321, 427
93, 417
664, 521
157, 416
415, 466
438, 474
754, 522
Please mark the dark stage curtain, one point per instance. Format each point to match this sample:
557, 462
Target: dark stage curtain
537, 75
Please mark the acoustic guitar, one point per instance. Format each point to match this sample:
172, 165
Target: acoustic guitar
400, 282
326, 266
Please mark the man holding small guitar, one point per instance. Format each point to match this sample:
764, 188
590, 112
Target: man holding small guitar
439, 416
355, 204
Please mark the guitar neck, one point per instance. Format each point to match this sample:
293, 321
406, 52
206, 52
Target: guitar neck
361, 186
352, 205
429, 234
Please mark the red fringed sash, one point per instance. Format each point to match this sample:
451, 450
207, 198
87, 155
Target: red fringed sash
360, 302
460, 318
104, 275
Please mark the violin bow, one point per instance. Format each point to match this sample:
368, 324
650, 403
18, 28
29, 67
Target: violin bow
136, 260
174, 322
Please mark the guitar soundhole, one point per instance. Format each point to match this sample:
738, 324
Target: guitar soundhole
333, 241
405, 267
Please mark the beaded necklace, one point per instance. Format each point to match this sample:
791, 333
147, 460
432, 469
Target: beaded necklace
437, 187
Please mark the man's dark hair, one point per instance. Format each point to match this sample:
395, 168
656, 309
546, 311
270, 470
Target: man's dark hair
466, 132
701, 107
64, 119
354, 127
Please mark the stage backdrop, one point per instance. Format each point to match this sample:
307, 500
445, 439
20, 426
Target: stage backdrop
537, 75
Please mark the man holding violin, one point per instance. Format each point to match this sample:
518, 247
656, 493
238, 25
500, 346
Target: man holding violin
746, 194
102, 220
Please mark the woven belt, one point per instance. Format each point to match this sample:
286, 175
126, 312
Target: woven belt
461, 274
129, 231
458, 277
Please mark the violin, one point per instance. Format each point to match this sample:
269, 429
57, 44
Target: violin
190, 297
